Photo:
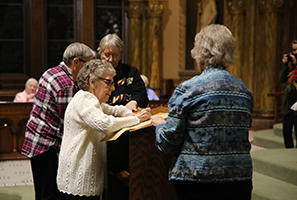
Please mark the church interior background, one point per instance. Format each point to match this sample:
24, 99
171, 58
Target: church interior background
158, 36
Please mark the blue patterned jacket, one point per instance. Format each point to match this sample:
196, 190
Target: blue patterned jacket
207, 129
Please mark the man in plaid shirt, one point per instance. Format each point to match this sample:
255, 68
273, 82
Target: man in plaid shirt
45, 126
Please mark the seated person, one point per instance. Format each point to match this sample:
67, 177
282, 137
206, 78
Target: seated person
28, 94
88, 119
129, 87
150, 93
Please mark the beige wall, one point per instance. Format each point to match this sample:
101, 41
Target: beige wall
170, 21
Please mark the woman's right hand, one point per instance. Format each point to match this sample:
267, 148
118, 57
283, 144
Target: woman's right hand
144, 114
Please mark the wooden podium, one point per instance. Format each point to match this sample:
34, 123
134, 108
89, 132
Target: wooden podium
137, 170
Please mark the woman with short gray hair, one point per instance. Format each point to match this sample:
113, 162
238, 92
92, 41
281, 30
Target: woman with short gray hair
129, 89
207, 129
209, 53
88, 119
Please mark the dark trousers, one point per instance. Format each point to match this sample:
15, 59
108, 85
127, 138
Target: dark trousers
44, 170
288, 122
238, 190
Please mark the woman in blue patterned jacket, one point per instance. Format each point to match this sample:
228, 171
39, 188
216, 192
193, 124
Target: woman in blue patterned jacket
208, 123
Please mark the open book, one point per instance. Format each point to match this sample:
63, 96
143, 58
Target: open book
133, 128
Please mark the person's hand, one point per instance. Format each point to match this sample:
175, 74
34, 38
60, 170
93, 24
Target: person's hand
132, 105
144, 114
30, 96
285, 59
157, 120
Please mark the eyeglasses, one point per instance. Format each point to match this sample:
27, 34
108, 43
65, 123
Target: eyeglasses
114, 56
109, 82
81, 60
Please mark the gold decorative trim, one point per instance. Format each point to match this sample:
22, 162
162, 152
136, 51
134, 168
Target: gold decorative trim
155, 9
267, 5
237, 4
182, 35
135, 9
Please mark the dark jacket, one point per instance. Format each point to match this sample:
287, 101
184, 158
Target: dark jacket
128, 86
290, 97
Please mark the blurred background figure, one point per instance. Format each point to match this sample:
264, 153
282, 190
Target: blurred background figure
150, 93
28, 94
289, 115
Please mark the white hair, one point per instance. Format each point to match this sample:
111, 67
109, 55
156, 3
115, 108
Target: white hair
214, 44
113, 41
29, 80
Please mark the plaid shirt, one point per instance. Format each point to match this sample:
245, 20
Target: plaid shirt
45, 126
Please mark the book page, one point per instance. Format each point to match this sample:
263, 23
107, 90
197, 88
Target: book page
133, 128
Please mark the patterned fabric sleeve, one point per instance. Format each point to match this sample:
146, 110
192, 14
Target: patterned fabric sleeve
170, 135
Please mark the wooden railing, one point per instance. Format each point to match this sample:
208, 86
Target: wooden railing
160, 103
13, 119
277, 105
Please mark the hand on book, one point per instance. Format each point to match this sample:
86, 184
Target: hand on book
144, 114
157, 120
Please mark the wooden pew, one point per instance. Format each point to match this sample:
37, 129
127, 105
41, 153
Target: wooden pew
8, 95
13, 119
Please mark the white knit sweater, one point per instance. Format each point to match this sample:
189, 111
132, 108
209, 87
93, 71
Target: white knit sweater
82, 159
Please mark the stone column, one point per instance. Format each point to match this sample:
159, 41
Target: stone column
154, 42
237, 9
135, 10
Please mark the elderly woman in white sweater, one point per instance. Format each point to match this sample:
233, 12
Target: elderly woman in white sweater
88, 119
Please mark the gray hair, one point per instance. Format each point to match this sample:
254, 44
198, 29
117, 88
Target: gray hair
77, 50
214, 44
113, 41
29, 80
145, 80
93, 69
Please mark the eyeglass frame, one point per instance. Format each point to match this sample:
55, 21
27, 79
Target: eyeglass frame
110, 82
114, 56
82, 60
